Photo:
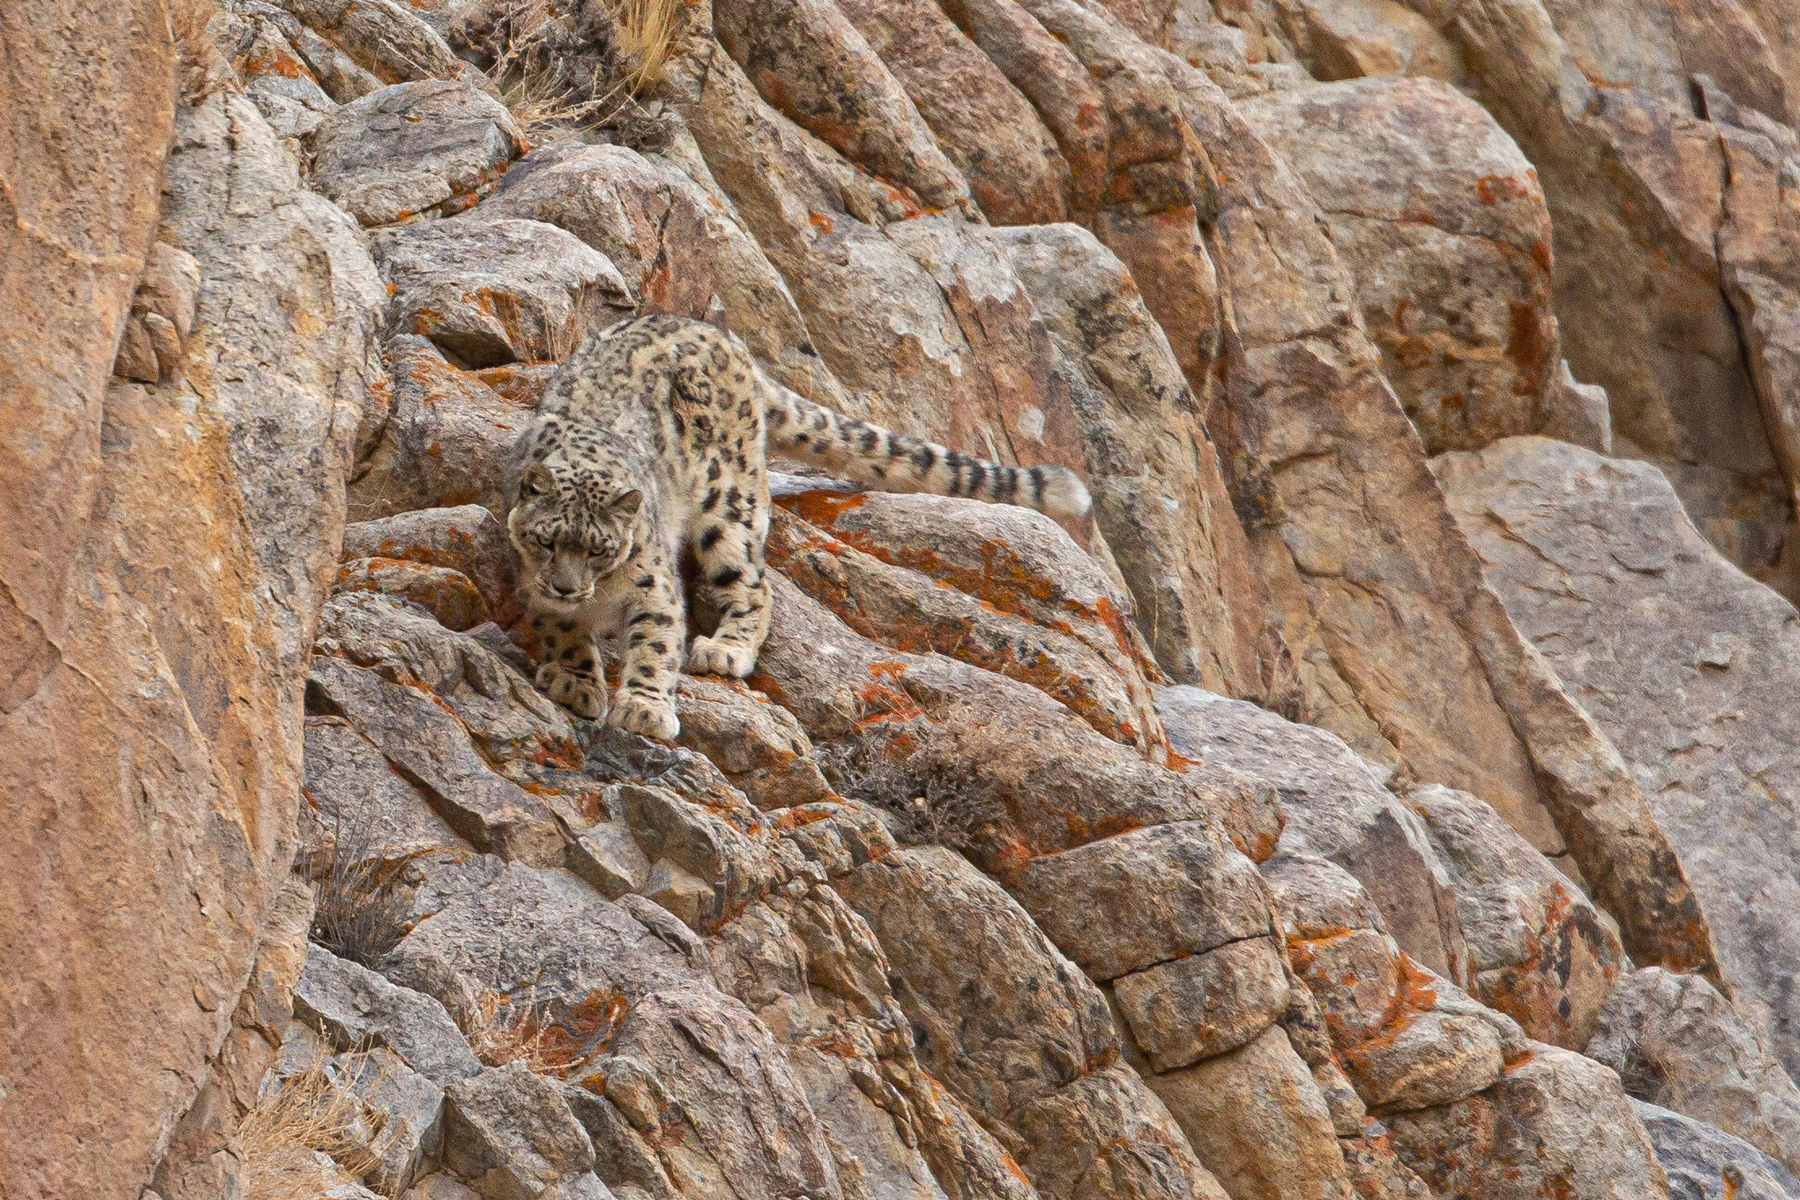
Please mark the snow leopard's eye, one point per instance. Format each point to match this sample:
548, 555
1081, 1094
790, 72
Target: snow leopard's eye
543, 541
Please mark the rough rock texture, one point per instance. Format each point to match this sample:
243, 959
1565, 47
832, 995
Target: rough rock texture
1677, 1043
413, 149
1650, 127
1669, 646
956, 895
1556, 1124
1443, 227
1539, 950
488, 293
158, 848
1702, 1163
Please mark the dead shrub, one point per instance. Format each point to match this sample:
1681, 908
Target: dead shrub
362, 902
574, 63
501, 1032
928, 784
307, 1113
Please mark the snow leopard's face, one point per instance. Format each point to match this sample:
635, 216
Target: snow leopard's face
571, 528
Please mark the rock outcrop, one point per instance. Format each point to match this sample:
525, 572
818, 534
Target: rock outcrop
1314, 819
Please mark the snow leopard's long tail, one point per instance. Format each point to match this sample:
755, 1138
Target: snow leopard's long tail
899, 462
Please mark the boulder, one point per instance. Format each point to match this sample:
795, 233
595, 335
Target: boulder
1677, 1043
1003, 798
1017, 1032
491, 292
701, 1079
1703, 1163
445, 443
1349, 39
986, 127
354, 1007
355, 807
1337, 806
1539, 950
678, 246
516, 729
1192, 1008
431, 749
917, 311
448, 595
1668, 646
813, 66
507, 1133
409, 1107
425, 148
1442, 225
1075, 657
171, 650
1126, 903
1196, 597
1654, 196
385, 38
466, 539
1556, 1124
1258, 1123
1379, 596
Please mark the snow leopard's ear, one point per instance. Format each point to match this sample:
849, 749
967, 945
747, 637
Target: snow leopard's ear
627, 506
538, 481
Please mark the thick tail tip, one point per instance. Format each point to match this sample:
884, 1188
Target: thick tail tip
1064, 495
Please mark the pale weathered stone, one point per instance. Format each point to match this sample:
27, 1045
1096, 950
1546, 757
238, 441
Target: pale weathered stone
357, 1008
1556, 1124
507, 1132
987, 128
448, 595
171, 649
1196, 597
466, 539
1677, 1043
432, 747
444, 443
1381, 600
1083, 656
1125, 903
810, 62
1703, 1163
1336, 806
491, 292
1258, 1123
384, 37
1441, 222
1539, 950
1347, 39
1196, 1007
413, 148
1669, 647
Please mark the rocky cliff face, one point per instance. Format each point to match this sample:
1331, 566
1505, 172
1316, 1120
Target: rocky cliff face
1386, 792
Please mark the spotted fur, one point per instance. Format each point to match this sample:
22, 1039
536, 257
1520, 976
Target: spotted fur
653, 437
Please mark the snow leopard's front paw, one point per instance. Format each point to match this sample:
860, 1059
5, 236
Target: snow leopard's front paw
654, 717
709, 656
583, 695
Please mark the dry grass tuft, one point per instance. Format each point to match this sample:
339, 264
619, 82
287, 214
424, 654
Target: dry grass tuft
575, 62
361, 906
202, 71
500, 1033
646, 30
309, 1114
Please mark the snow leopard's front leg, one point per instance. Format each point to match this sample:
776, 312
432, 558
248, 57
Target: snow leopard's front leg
733, 582
570, 662
654, 629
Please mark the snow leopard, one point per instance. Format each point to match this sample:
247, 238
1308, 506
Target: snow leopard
652, 438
